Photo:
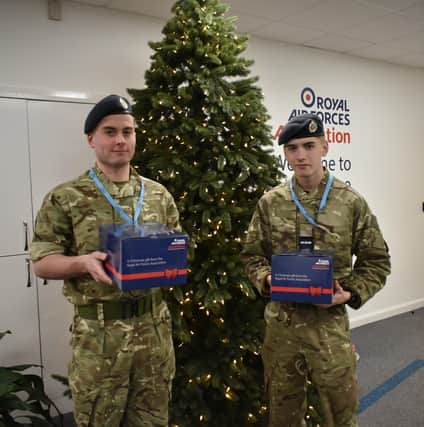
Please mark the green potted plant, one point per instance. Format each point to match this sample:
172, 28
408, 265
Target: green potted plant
22, 398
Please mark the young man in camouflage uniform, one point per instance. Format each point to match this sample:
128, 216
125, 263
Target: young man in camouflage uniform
305, 340
123, 356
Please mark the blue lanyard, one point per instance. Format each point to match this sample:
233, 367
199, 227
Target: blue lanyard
115, 204
321, 205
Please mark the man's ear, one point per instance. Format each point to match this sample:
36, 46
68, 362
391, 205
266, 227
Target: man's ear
90, 139
324, 147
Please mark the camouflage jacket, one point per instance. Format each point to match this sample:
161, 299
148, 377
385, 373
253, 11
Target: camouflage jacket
347, 228
69, 218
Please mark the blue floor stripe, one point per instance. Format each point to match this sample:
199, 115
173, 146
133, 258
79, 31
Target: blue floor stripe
376, 394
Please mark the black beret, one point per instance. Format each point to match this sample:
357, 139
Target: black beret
301, 127
112, 104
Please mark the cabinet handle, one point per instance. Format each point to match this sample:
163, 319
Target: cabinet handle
28, 266
45, 282
26, 235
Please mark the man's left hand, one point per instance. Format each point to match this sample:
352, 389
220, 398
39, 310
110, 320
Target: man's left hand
340, 296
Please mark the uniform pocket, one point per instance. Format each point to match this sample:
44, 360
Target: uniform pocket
87, 364
163, 352
87, 336
277, 318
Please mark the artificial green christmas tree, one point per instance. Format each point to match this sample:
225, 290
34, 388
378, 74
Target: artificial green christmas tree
203, 133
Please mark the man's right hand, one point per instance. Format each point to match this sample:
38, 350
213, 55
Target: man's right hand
60, 267
266, 291
94, 267
268, 280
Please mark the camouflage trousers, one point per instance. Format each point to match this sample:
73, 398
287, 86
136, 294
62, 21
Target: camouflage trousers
303, 341
121, 370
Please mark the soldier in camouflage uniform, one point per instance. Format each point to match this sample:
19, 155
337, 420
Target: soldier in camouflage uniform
123, 357
305, 340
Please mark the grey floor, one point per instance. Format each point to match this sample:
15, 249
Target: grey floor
390, 371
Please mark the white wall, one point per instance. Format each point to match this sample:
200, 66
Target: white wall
92, 50
97, 52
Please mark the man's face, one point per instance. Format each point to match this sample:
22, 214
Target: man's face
305, 154
113, 140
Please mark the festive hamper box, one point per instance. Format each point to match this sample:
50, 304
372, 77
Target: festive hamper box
146, 255
302, 277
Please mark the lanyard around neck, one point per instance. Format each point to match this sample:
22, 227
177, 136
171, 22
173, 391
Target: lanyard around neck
115, 204
321, 205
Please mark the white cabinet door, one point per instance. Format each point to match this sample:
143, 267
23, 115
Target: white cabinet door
58, 147
15, 193
59, 151
18, 310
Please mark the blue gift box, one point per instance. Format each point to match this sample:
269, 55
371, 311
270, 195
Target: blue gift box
302, 277
145, 255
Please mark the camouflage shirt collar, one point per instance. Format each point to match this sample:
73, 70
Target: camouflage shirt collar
130, 189
304, 195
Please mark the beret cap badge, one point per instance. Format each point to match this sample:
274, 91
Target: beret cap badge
124, 103
313, 126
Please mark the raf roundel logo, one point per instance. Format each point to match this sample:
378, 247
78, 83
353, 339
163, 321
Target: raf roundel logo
313, 126
308, 97
123, 103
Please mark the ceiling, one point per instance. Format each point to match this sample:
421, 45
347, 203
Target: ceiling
384, 30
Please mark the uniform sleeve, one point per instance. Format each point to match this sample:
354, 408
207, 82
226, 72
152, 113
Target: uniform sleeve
53, 229
257, 250
172, 215
372, 264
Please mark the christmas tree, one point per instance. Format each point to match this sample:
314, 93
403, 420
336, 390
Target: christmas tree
203, 133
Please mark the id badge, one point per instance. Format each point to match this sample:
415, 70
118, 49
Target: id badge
306, 243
